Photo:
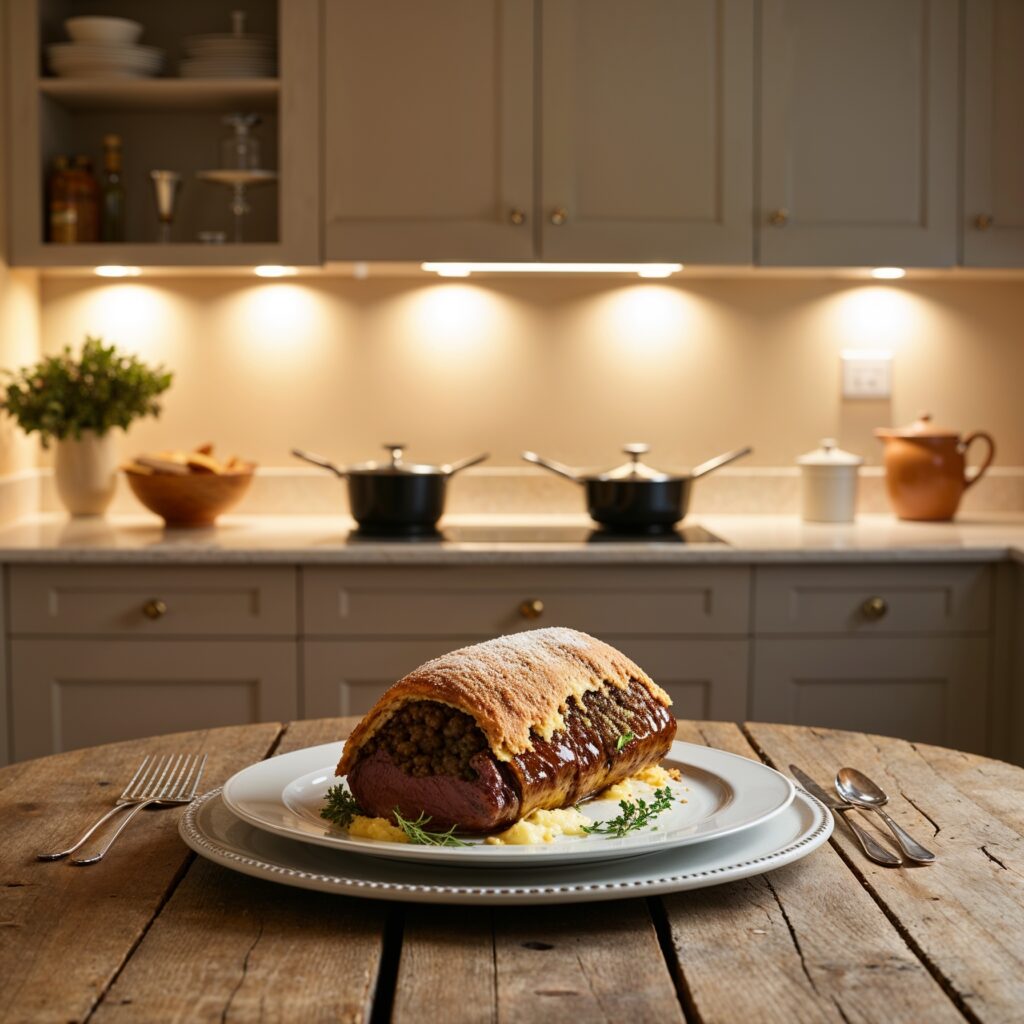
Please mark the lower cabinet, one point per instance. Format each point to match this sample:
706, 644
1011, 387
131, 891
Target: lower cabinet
931, 689
705, 678
75, 693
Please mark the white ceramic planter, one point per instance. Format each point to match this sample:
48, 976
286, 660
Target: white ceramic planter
828, 484
86, 472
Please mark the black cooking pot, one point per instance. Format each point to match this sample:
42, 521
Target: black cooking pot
634, 498
394, 498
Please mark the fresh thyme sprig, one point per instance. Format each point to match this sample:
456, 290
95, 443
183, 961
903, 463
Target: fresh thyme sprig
634, 815
418, 834
340, 806
624, 741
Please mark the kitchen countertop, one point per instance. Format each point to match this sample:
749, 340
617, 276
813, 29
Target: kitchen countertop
321, 539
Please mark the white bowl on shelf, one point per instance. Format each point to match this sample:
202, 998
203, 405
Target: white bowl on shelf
95, 29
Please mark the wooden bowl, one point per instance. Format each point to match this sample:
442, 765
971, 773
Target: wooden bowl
193, 500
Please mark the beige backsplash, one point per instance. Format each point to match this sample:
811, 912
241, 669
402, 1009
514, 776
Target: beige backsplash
571, 368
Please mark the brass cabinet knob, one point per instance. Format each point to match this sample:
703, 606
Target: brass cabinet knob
984, 221
874, 608
532, 609
778, 218
517, 217
559, 215
154, 609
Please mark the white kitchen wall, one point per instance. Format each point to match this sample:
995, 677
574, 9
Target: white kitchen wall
572, 368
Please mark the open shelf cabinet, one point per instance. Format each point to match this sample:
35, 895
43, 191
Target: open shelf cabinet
168, 122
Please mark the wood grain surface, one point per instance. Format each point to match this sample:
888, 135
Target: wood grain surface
155, 934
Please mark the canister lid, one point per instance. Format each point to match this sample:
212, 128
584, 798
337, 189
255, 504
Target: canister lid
921, 427
829, 454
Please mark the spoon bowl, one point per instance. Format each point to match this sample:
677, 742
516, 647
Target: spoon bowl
856, 787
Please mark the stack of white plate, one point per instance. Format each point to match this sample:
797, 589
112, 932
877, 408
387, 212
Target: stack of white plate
228, 55
732, 818
104, 60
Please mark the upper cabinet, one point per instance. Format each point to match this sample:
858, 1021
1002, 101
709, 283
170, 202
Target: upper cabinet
647, 130
993, 211
429, 115
859, 111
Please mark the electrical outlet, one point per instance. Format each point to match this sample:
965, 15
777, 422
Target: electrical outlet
867, 373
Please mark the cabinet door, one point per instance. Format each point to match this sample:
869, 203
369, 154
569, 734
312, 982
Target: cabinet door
705, 678
858, 132
647, 127
929, 690
428, 119
77, 693
993, 213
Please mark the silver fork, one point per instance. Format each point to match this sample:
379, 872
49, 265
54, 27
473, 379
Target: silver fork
176, 784
153, 781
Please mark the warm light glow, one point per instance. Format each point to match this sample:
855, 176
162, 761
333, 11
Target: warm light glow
115, 271
870, 354
274, 271
888, 273
465, 269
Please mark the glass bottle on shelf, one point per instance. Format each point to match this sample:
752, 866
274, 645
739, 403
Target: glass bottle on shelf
85, 196
112, 221
60, 213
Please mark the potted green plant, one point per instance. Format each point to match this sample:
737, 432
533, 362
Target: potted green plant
80, 403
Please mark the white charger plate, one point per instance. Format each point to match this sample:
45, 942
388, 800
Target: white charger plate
723, 794
212, 831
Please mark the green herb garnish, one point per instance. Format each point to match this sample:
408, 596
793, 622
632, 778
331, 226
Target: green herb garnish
340, 806
418, 834
634, 815
624, 741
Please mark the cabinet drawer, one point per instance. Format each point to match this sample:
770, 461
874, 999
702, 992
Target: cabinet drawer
152, 601
483, 602
704, 678
875, 599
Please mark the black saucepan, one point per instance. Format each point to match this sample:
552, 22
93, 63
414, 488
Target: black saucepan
395, 498
634, 498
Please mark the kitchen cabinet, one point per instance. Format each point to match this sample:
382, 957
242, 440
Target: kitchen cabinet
858, 133
428, 117
647, 130
993, 144
75, 693
171, 123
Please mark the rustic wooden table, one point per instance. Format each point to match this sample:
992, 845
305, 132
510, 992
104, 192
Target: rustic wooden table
155, 934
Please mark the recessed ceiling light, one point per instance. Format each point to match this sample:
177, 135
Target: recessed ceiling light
116, 271
274, 271
888, 273
465, 269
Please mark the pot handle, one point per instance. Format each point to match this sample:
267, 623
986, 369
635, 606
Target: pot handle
318, 460
555, 467
461, 464
718, 461
978, 435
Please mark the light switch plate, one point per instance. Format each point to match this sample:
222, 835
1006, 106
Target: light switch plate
867, 374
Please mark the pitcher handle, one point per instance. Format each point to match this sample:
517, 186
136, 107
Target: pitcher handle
979, 435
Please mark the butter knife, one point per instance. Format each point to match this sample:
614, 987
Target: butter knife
872, 849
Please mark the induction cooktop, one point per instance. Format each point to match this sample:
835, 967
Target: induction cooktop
534, 534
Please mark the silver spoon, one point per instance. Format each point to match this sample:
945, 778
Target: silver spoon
856, 788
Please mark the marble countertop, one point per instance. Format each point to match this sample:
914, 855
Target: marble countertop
284, 539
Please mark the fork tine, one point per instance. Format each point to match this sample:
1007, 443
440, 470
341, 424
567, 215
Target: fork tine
145, 779
131, 782
170, 790
188, 792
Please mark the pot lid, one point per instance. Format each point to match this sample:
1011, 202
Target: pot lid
634, 469
921, 427
395, 465
829, 454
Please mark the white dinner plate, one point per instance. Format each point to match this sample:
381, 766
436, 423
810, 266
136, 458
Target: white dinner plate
720, 793
209, 828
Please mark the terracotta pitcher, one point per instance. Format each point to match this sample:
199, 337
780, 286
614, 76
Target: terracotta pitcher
926, 468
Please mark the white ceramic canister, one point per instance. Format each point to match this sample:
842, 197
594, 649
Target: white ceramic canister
828, 484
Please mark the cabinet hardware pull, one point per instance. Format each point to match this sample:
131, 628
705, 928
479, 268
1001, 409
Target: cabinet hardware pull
154, 609
984, 221
778, 218
874, 608
532, 609
517, 217
559, 215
